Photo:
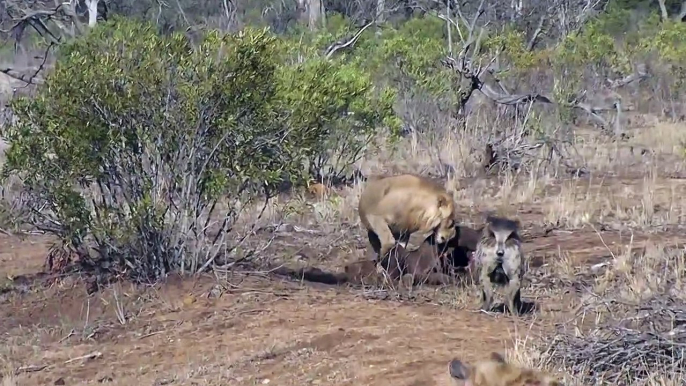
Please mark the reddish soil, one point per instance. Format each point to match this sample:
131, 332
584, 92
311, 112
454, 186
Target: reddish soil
263, 331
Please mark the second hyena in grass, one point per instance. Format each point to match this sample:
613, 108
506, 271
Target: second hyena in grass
496, 371
501, 262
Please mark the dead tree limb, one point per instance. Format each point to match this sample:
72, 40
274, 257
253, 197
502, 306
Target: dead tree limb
664, 15
682, 12
346, 42
33, 77
473, 73
534, 38
55, 24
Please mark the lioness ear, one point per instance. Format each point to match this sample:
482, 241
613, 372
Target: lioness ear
459, 370
443, 201
497, 357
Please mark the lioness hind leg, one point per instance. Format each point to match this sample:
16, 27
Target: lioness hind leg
383, 233
416, 239
374, 243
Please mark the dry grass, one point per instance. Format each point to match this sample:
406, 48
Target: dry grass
610, 235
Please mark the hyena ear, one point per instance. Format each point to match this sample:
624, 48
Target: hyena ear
459, 370
518, 224
498, 357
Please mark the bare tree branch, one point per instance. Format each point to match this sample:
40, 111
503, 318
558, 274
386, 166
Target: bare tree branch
663, 10
532, 42
682, 12
32, 78
63, 16
346, 43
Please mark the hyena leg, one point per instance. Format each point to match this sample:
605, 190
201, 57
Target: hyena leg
486, 291
407, 280
384, 234
514, 301
416, 240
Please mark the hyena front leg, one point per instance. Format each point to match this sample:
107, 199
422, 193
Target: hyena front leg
486, 293
513, 293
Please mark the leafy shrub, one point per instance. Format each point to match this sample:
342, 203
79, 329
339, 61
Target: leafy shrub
668, 42
351, 111
137, 140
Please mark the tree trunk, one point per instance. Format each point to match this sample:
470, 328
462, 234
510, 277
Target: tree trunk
315, 11
380, 11
682, 12
92, 12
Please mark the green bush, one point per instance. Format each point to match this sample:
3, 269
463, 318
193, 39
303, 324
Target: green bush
669, 45
136, 137
351, 112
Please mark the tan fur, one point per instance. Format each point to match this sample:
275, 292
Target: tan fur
496, 371
405, 206
500, 259
318, 190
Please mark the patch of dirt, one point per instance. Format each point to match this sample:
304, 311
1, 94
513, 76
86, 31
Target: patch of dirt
261, 331
22, 255
288, 334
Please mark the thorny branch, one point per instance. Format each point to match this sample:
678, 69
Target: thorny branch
651, 338
471, 71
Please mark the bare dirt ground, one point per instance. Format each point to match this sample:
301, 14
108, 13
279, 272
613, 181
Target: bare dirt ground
584, 237
249, 328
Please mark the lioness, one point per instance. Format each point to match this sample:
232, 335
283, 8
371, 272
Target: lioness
405, 206
495, 371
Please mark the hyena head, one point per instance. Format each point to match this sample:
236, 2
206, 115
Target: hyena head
501, 234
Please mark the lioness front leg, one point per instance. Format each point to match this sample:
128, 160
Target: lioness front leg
383, 232
416, 240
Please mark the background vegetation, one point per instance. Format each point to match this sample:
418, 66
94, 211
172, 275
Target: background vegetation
143, 137
155, 116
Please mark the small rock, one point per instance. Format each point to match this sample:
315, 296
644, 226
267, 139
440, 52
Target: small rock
284, 228
60, 381
265, 381
215, 292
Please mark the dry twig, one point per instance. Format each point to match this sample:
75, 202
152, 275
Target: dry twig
652, 339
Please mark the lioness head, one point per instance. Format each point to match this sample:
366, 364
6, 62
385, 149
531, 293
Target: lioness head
445, 230
496, 371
